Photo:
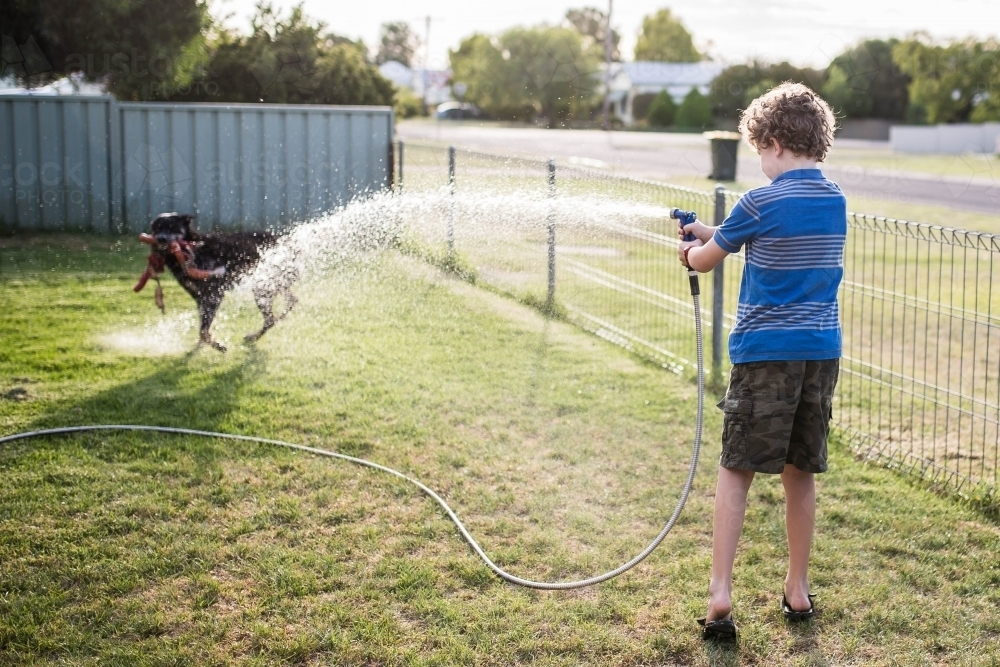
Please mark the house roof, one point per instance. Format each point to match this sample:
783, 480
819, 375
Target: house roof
650, 73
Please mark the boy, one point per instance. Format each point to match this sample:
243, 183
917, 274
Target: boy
786, 343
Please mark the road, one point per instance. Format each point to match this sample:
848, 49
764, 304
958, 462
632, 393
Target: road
684, 159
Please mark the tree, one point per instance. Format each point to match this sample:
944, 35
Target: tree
591, 23
865, 82
695, 112
397, 42
527, 72
490, 82
287, 60
736, 86
951, 83
665, 39
331, 40
138, 48
987, 104
662, 110
343, 76
551, 66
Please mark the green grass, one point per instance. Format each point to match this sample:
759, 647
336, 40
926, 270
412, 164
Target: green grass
563, 453
975, 165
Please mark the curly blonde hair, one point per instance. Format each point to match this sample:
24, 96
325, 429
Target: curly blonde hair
794, 116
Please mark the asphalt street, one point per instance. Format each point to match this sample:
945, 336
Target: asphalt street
684, 157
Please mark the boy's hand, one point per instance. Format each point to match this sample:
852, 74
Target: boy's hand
684, 245
701, 232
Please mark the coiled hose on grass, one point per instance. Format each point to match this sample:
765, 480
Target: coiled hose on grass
563, 585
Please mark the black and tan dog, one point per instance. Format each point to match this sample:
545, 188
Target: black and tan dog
208, 265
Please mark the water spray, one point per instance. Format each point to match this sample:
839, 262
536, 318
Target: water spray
683, 217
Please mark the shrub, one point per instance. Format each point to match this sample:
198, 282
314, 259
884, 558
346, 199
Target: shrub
407, 104
662, 111
695, 112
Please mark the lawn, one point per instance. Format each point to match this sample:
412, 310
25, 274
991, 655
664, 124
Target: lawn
563, 453
984, 166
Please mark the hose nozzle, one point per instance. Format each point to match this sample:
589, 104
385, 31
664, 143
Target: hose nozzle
684, 218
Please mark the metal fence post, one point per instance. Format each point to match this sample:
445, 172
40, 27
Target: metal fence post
718, 294
552, 236
451, 204
399, 176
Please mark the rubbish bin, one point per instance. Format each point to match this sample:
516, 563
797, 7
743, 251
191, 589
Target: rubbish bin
724, 146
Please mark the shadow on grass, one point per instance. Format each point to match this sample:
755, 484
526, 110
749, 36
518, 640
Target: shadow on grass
722, 655
804, 644
185, 392
805, 641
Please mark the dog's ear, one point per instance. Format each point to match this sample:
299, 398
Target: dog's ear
188, 221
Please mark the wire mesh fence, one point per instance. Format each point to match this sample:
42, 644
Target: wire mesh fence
921, 367
920, 374
617, 274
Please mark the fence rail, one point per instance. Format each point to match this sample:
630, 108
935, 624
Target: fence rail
920, 374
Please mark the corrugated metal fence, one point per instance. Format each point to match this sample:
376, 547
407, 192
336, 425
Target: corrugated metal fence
94, 163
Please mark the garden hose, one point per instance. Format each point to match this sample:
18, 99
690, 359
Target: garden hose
564, 585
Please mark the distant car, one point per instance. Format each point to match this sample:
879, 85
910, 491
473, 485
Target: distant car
457, 110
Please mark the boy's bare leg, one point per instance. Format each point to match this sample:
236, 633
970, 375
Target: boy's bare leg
800, 520
730, 509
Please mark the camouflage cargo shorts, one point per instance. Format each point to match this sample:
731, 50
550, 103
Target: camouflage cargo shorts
778, 412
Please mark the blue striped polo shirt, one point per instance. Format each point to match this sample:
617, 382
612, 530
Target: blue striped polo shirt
794, 231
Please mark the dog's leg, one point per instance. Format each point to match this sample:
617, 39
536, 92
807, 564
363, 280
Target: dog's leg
265, 301
207, 308
290, 301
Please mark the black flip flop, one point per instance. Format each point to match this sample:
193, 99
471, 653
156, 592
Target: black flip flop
722, 629
796, 616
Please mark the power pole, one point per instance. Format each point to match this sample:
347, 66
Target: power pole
427, 61
608, 42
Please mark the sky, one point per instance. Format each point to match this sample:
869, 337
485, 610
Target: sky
803, 32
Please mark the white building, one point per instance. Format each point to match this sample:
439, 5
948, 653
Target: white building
644, 76
435, 82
